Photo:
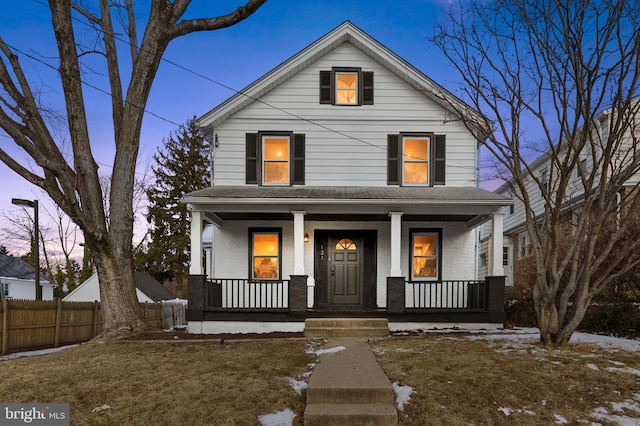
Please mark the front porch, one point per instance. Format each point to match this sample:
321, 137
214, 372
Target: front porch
281, 305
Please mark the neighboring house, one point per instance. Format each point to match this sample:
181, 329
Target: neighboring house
516, 244
343, 185
17, 280
148, 289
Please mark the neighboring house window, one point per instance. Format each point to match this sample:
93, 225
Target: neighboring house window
483, 260
416, 159
265, 248
524, 242
275, 158
346, 86
5, 290
505, 256
544, 181
583, 166
425, 254
512, 207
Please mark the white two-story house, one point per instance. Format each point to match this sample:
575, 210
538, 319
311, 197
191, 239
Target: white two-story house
343, 185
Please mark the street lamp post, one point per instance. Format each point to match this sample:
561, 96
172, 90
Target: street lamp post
36, 247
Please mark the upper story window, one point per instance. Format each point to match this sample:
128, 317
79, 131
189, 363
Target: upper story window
346, 86
512, 207
275, 158
416, 159
275, 155
544, 181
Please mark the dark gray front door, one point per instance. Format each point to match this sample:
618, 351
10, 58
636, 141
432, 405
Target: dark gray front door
345, 271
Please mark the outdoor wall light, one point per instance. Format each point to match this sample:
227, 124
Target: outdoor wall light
306, 237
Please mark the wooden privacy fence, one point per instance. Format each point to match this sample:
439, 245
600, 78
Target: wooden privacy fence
39, 324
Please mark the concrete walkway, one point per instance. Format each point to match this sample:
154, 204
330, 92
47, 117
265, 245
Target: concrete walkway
349, 387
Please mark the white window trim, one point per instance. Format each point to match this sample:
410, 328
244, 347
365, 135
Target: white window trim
263, 168
356, 89
412, 235
428, 138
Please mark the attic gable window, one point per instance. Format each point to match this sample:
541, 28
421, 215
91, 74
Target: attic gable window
346, 86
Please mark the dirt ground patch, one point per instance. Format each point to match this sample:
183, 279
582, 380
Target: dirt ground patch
182, 335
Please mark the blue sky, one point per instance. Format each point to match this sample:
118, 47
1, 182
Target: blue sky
234, 57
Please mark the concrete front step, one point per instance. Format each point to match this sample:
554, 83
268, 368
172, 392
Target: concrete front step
346, 327
350, 414
349, 387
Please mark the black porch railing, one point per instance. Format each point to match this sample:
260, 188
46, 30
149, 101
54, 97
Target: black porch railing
454, 294
236, 293
440, 301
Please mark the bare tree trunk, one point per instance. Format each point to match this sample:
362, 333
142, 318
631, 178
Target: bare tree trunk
75, 186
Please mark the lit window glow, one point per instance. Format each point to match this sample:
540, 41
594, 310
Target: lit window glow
416, 161
425, 256
346, 88
265, 255
276, 160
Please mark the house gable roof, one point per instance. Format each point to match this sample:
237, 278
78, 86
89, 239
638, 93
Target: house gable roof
347, 32
152, 287
14, 267
145, 283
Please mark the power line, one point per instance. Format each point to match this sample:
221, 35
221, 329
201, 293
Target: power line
236, 91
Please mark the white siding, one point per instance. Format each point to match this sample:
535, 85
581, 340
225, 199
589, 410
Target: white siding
26, 289
344, 145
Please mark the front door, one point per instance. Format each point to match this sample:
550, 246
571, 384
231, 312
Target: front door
345, 270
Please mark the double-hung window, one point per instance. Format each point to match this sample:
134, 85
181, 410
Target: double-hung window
426, 247
275, 158
416, 159
265, 248
346, 86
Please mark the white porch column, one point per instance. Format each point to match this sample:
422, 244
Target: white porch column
396, 243
298, 242
196, 244
497, 268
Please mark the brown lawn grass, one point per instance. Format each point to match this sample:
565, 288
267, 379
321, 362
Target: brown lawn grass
460, 381
163, 383
457, 381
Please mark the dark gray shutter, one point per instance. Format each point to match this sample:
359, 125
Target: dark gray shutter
297, 148
326, 91
251, 163
393, 159
367, 88
439, 160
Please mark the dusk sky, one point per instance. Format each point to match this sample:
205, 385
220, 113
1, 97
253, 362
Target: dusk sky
192, 80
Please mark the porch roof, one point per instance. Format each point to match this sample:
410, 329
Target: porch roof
466, 204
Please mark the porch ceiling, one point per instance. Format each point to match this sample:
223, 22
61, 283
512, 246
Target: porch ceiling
461, 204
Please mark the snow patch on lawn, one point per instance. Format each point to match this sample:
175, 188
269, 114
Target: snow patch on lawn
297, 385
403, 395
280, 418
35, 353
